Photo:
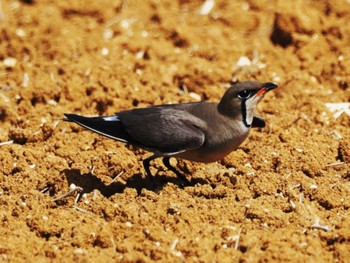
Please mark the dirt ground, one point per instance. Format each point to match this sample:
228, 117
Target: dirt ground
283, 196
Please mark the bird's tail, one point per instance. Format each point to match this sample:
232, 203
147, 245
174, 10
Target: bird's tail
109, 126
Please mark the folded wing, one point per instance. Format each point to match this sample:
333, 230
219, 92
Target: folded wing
156, 129
166, 129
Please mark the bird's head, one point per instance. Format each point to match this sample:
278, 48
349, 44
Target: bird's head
241, 99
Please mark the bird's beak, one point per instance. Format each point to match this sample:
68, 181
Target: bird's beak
265, 88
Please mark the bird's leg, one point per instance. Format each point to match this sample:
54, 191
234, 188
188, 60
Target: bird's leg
146, 164
166, 162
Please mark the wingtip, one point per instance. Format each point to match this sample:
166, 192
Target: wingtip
69, 117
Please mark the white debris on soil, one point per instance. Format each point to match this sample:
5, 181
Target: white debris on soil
9, 62
207, 6
339, 108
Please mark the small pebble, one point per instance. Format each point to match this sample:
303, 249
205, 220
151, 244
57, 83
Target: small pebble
9, 62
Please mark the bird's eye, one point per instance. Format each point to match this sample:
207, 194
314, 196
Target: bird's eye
244, 94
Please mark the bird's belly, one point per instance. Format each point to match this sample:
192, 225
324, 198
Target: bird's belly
199, 156
209, 154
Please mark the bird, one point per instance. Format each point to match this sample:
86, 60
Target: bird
196, 131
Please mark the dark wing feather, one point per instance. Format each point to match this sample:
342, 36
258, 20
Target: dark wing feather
109, 126
164, 129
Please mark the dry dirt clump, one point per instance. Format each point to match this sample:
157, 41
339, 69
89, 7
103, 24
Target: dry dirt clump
284, 195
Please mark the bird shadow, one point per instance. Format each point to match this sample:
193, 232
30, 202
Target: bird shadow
89, 182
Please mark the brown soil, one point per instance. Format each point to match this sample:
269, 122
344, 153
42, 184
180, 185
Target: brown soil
283, 196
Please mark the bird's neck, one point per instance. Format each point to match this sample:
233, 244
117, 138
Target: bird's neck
237, 113
229, 110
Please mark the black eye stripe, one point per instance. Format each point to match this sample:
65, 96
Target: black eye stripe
244, 114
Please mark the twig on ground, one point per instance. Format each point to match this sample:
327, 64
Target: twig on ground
301, 197
74, 190
207, 7
236, 238
79, 209
116, 177
317, 225
294, 186
173, 245
335, 164
44, 190
6, 143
